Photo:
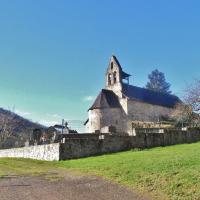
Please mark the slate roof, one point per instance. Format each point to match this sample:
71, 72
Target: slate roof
106, 99
149, 96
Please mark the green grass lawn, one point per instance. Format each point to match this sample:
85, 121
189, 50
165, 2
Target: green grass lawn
165, 173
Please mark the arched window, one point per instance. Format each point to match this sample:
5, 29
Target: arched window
115, 77
109, 79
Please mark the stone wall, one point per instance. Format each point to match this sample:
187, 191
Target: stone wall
146, 112
48, 152
83, 147
100, 118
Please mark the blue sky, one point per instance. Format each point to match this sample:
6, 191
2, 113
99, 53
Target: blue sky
54, 54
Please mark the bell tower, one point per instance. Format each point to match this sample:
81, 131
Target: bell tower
115, 76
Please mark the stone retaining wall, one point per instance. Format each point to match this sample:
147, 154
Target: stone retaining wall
84, 145
48, 152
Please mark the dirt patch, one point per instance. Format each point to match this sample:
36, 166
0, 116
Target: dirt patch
67, 187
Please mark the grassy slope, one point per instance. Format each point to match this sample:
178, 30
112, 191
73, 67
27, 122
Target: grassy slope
10, 166
167, 173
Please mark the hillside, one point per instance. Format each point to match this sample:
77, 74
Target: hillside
14, 129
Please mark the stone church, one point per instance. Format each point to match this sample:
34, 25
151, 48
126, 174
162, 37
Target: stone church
120, 107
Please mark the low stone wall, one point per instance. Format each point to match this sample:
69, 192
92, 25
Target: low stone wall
48, 152
84, 145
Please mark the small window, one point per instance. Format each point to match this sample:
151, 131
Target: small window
109, 79
115, 77
111, 65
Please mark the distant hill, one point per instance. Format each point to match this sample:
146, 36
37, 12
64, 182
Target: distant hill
14, 129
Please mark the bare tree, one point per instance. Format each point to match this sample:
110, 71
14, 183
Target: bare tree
188, 111
183, 113
6, 125
192, 96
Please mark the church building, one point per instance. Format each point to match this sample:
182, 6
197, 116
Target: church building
120, 107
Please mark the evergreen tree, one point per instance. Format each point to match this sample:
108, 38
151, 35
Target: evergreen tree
157, 82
